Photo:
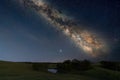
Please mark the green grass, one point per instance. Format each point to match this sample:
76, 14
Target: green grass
23, 71
103, 74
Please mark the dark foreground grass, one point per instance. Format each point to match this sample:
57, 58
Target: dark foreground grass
23, 71
103, 74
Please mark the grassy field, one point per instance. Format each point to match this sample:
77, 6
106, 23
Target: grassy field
23, 71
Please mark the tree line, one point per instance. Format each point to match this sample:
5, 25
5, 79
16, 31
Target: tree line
75, 65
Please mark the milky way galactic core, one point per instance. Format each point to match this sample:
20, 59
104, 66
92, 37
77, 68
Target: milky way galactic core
89, 42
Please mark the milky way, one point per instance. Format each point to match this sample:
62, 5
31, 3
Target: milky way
83, 38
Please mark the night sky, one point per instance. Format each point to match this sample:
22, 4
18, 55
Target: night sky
25, 36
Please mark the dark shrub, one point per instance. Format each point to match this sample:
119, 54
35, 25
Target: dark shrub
81, 65
64, 67
74, 65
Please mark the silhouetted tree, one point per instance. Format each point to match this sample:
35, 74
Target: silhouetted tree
65, 66
85, 65
81, 65
60, 68
67, 61
75, 65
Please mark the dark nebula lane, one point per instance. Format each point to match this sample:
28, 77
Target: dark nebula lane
86, 40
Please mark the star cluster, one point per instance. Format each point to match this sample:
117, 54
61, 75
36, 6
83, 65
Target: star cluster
84, 39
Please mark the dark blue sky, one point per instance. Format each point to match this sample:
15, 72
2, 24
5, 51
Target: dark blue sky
25, 36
